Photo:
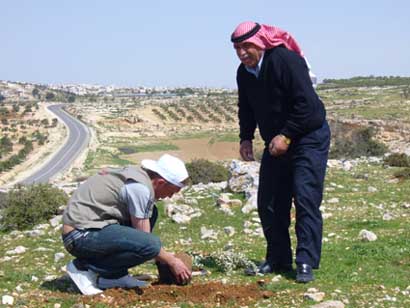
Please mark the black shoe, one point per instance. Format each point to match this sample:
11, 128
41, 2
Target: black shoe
268, 268
265, 268
304, 273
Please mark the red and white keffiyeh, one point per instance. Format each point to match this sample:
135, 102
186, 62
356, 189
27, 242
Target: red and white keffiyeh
264, 36
267, 37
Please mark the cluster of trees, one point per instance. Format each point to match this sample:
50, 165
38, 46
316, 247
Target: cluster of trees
4, 112
365, 81
17, 158
6, 147
203, 112
159, 114
170, 113
51, 96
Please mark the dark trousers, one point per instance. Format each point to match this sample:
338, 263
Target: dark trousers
112, 250
297, 175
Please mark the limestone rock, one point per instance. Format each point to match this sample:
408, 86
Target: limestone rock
55, 221
251, 203
58, 256
225, 200
329, 304
315, 296
181, 213
230, 231
387, 216
244, 175
34, 233
208, 234
372, 189
17, 251
181, 218
7, 300
367, 236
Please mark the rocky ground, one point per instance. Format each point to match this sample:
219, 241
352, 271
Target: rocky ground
365, 216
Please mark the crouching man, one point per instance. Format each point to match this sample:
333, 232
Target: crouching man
108, 222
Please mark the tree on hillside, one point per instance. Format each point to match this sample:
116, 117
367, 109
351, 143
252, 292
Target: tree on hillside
45, 122
27, 109
22, 140
2, 97
406, 93
16, 107
35, 92
50, 96
6, 145
4, 112
71, 98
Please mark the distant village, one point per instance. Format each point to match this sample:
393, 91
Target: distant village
13, 90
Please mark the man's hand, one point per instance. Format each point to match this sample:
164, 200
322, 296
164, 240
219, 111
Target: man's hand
181, 272
278, 146
246, 150
178, 268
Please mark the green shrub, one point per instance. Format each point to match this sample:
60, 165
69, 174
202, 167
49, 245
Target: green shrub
361, 143
2, 199
205, 171
224, 261
26, 206
403, 174
397, 160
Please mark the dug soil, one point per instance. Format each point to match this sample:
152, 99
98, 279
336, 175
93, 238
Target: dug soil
209, 294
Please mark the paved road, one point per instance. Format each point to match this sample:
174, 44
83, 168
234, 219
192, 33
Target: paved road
78, 139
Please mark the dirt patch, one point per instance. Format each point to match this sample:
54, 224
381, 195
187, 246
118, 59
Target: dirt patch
208, 294
190, 149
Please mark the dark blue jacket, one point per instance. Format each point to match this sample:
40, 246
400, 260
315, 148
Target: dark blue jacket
281, 100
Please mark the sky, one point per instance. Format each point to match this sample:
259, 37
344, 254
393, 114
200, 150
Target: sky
186, 43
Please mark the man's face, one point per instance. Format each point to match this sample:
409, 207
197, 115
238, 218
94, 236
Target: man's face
248, 53
165, 189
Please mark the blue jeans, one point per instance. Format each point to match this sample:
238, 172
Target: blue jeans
112, 250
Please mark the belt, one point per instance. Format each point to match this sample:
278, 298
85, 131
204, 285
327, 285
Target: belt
71, 237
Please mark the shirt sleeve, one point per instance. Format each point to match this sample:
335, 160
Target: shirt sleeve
306, 112
137, 197
247, 122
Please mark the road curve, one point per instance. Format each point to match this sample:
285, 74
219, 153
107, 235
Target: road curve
78, 138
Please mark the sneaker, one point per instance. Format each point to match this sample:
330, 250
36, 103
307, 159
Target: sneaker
84, 280
126, 281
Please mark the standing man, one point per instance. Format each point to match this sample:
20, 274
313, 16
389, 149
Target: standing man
108, 222
276, 95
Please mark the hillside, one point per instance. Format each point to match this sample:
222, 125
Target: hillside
193, 123
366, 238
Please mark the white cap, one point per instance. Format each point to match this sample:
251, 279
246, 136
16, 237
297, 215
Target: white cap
169, 167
